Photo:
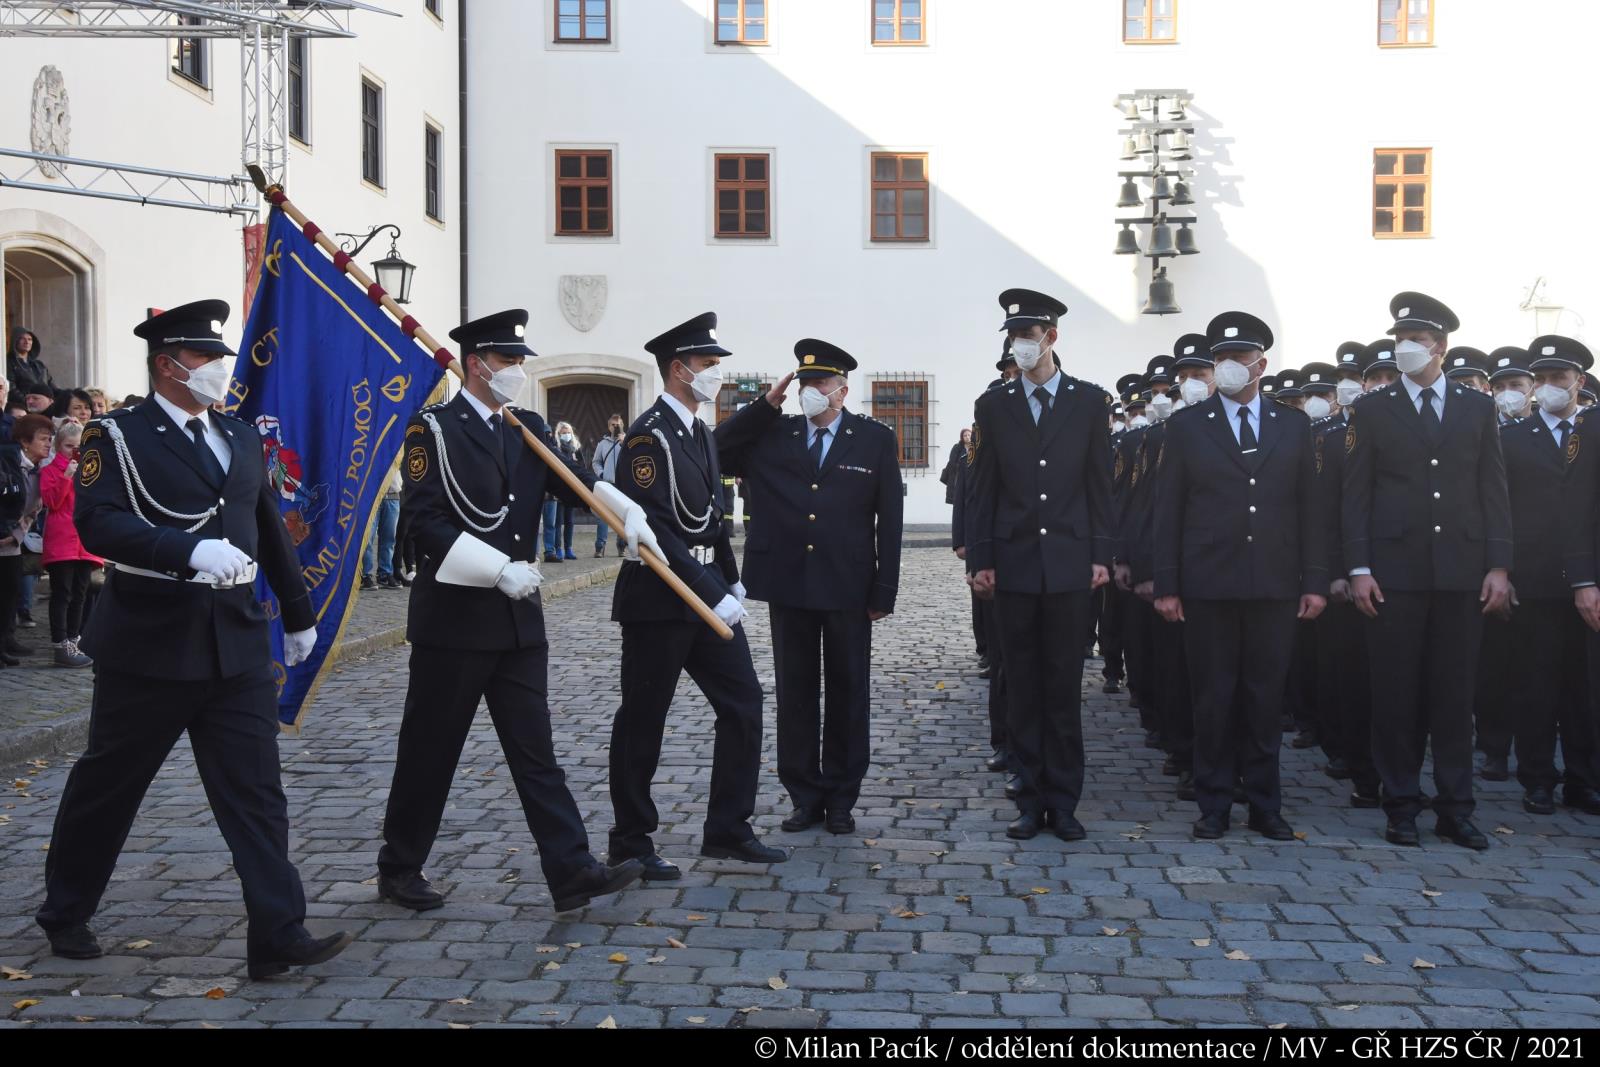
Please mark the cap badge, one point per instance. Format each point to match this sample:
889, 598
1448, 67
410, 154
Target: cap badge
1188, 350
1404, 312
216, 327
1014, 308
1231, 331
809, 360
712, 334
1548, 350
517, 330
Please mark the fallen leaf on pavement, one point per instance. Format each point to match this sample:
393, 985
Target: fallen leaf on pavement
751, 1010
574, 944
938, 685
13, 974
608, 1023
546, 949
1348, 1007
869, 841
1420, 964
1237, 954
1299, 835
696, 918
876, 867
552, 966
459, 1026
1276, 1026
963, 899
23, 1005
1504, 830
210, 1026
1202, 942
673, 942
216, 993
1432, 893
618, 957
141, 943
1110, 931
1376, 961
1039, 891
462, 1001
655, 959
777, 983
696, 1018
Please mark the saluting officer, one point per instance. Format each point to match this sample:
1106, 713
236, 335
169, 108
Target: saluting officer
476, 624
825, 556
1239, 557
1045, 537
670, 466
176, 495
1427, 538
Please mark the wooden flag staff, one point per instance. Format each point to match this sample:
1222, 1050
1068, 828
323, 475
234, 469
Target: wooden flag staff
413, 329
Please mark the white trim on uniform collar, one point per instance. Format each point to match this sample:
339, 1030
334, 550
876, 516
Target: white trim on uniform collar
687, 417
181, 417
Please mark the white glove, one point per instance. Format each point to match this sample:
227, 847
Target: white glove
518, 580
298, 645
219, 559
635, 529
738, 591
730, 611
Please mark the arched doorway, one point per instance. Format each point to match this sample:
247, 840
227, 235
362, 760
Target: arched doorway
49, 269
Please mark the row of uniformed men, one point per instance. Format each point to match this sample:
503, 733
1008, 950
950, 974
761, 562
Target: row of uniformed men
1224, 525
174, 493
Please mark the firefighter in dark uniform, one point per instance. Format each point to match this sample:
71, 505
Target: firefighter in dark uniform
1239, 556
1045, 536
1468, 366
825, 556
476, 624
175, 497
1582, 554
1427, 538
669, 465
1138, 619
1547, 635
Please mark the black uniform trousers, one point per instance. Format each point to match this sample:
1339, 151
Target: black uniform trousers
1239, 653
980, 635
1300, 687
1113, 605
822, 757
441, 702
1548, 648
1044, 694
1173, 692
654, 655
134, 723
1138, 629
1346, 678
997, 681
1493, 692
1418, 645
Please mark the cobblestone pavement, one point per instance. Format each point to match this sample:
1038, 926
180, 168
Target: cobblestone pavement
927, 916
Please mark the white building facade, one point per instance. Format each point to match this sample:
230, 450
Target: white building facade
613, 139
81, 272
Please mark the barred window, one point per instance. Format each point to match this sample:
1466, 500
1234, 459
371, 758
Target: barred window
902, 405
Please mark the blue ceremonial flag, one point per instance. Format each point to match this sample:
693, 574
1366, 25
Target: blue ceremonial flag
329, 381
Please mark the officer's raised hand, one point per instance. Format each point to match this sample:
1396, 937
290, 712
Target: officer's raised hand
219, 559
1496, 594
776, 394
1366, 595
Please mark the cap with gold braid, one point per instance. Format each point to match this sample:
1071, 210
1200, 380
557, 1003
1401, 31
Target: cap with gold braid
819, 359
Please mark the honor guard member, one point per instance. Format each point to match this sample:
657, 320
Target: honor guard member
1587, 391
1427, 538
1318, 384
1138, 619
1468, 366
670, 466
1300, 698
825, 556
176, 495
1239, 554
1547, 636
1045, 538
1287, 389
1582, 552
1378, 369
1511, 383
472, 499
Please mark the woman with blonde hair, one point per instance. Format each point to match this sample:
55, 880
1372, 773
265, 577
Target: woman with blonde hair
557, 514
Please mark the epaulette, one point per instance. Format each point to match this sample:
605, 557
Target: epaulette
231, 415
114, 413
435, 407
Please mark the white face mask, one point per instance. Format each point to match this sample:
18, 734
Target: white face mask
1553, 398
1194, 391
566, 438
1232, 376
1510, 402
1118, 426
1411, 356
706, 384
814, 401
1347, 391
1318, 408
506, 383
208, 383
1138, 422
1027, 353
1161, 407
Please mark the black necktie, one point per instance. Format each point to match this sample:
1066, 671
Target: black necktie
1564, 428
816, 448
495, 424
202, 452
700, 439
1042, 395
1430, 417
1247, 436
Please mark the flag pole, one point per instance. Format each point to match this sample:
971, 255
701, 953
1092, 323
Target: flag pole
441, 355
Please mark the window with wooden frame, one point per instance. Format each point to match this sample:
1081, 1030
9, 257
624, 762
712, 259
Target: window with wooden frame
1150, 22
299, 88
1402, 192
583, 21
433, 171
1405, 23
739, 392
744, 195
189, 55
899, 22
371, 133
743, 22
583, 192
900, 194
902, 405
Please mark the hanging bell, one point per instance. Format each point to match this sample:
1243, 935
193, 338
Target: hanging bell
1162, 189
1146, 103
1130, 194
1180, 194
1127, 242
1186, 246
1176, 108
1178, 147
1130, 148
1161, 240
1129, 109
1144, 144
1163, 300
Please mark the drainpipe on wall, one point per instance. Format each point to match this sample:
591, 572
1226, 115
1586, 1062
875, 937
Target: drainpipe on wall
461, 161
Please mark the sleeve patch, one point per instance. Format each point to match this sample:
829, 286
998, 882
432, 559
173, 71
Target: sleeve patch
1572, 447
1350, 440
89, 468
644, 471
417, 463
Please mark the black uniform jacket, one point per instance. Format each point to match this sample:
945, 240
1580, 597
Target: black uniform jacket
1536, 466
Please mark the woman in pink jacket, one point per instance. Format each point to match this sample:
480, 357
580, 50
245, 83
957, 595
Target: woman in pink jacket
68, 565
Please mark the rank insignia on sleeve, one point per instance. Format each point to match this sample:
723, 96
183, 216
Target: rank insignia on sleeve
89, 468
1118, 467
415, 429
1350, 440
642, 439
90, 434
644, 471
1572, 447
417, 463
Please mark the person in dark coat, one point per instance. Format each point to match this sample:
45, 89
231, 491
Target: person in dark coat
25, 364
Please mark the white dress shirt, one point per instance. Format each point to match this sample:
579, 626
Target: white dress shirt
480, 407
688, 417
214, 437
1414, 391
1050, 387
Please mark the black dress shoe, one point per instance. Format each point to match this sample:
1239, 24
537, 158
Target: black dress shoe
1185, 785
1112, 686
1013, 786
75, 943
986, 672
1025, 827
1539, 801
1494, 769
1360, 798
751, 851
983, 663
409, 891
302, 953
1338, 769
1270, 824
1169, 766
1210, 827
1305, 739
802, 819
1461, 832
1152, 739
1402, 832
841, 822
999, 761
653, 868
1581, 798
1066, 826
595, 880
